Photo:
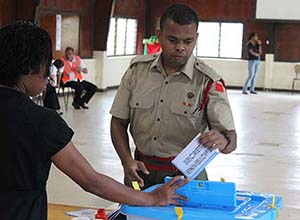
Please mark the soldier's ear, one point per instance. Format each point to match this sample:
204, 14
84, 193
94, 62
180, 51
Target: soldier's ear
197, 34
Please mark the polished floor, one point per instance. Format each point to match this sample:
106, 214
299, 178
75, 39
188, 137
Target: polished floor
267, 158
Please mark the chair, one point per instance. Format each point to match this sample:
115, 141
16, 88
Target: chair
63, 93
297, 76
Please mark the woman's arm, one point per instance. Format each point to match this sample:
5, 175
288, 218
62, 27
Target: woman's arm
73, 164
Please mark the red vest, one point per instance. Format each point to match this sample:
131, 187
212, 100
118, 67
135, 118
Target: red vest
69, 69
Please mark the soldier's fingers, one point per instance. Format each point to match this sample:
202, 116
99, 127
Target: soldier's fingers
214, 146
208, 133
143, 168
207, 137
208, 142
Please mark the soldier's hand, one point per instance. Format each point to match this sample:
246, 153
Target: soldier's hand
131, 169
213, 139
165, 195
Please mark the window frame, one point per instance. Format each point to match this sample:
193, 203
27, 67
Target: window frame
115, 37
219, 43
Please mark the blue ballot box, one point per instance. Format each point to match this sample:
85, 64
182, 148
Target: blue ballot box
211, 201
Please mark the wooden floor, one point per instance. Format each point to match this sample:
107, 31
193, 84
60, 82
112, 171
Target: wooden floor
267, 158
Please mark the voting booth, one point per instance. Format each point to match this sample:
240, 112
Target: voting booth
213, 201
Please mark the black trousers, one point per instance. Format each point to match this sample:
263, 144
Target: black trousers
51, 98
79, 88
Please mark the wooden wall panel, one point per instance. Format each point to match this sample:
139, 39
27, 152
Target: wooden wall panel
217, 10
287, 47
283, 37
48, 22
26, 9
133, 9
95, 15
103, 11
8, 12
83, 8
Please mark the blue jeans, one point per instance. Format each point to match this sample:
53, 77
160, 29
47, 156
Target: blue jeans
252, 72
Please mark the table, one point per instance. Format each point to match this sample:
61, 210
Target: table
57, 211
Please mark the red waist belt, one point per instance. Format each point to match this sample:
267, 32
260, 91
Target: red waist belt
156, 163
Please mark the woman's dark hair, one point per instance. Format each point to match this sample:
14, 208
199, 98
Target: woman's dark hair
24, 49
252, 34
180, 14
58, 63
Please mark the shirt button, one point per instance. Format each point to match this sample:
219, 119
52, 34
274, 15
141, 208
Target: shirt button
155, 138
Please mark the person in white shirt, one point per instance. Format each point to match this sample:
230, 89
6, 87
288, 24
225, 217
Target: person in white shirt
51, 98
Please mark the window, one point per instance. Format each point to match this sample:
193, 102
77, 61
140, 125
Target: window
218, 39
122, 37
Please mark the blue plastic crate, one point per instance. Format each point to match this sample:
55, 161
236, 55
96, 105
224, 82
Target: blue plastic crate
206, 203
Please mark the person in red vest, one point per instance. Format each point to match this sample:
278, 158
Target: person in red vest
72, 77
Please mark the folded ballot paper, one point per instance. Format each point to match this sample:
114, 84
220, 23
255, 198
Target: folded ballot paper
194, 158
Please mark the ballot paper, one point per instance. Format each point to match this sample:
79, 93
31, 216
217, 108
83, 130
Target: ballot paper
90, 213
194, 158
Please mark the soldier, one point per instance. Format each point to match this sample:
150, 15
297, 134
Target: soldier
167, 99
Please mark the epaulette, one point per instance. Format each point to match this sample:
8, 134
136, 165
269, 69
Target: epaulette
143, 58
210, 72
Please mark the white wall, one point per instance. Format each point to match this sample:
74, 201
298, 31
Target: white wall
107, 71
91, 66
114, 69
283, 74
234, 72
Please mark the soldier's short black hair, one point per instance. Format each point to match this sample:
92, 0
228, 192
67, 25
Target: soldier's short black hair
24, 49
180, 14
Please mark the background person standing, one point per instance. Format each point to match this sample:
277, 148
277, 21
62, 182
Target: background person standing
254, 52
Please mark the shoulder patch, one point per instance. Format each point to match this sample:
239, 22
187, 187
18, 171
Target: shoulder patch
208, 71
143, 58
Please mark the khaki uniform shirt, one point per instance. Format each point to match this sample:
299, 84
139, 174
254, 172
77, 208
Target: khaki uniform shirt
164, 111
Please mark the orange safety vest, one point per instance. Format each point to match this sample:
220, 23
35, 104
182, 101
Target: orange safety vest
69, 68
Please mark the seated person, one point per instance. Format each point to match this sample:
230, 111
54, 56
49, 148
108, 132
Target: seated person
73, 78
51, 97
33, 137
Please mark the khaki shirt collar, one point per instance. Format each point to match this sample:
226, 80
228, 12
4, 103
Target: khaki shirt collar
187, 69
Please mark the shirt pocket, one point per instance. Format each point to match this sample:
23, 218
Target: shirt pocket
189, 118
141, 115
